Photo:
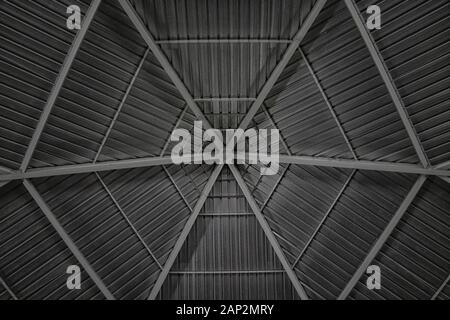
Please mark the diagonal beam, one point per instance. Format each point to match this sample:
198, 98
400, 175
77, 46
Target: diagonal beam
161, 57
66, 238
122, 103
299, 36
87, 168
363, 165
70, 57
328, 103
130, 224
436, 294
187, 228
5, 285
388, 81
341, 192
269, 234
383, 237
178, 189
167, 160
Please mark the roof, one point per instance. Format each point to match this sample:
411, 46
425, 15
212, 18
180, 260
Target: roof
85, 171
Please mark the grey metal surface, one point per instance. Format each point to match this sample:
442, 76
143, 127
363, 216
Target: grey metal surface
211, 60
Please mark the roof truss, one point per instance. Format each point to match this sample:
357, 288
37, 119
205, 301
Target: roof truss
424, 170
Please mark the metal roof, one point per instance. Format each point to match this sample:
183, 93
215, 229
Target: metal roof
86, 176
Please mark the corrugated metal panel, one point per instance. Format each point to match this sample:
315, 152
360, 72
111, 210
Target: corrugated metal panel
33, 43
95, 224
96, 84
224, 70
33, 258
4, 295
227, 238
354, 87
414, 41
352, 227
205, 19
233, 287
415, 261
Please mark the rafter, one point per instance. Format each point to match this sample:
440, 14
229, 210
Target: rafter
328, 103
364, 165
269, 234
184, 233
383, 237
177, 188
122, 103
222, 41
299, 36
324, 218
439, 290
160, 56
167, 160
388, 81
70, 57
5, 285
67, 239
130, 224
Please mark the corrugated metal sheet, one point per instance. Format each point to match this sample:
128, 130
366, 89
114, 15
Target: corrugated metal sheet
414, 42
33, 46
416, 259
227, 255
352, 227
33, 258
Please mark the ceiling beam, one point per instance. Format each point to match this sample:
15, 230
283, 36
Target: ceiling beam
388, 81
130, 224
122, 103
222, 41
184, 233
383, 237
328, 103
269, 234
299, 36
324, 218
363, 165
5, 285
167, 160
87, 168
436, 294
162, 59
67, 240
57, 86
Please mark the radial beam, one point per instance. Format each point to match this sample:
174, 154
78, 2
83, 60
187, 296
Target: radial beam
167, 160
299, 36
222, 41
328, 103
5, 285
364, 165
187, 228
319, 226
67, 240
122, 103
130, 224
87, 168
161, 57
70, 57
269, 234
436, 294
383, 237
388, 81
177, 188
